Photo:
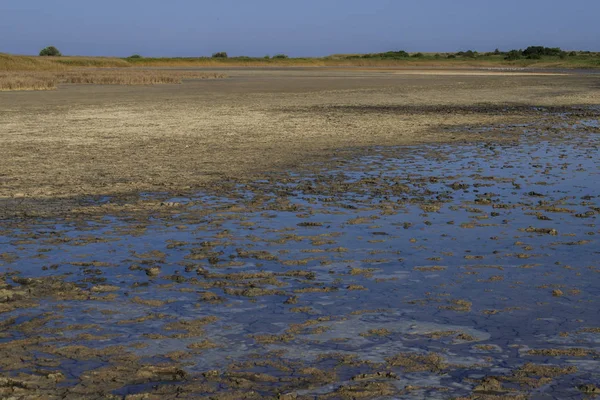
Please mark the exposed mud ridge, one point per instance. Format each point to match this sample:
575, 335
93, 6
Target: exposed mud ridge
486, 109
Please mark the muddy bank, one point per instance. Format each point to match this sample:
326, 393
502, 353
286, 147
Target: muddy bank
458, 270
102, 141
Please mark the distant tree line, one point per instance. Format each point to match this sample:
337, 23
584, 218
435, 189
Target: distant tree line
537, 52
223, 54
531, 53
393, 55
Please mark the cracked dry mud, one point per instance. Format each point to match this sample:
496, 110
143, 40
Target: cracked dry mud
399, 268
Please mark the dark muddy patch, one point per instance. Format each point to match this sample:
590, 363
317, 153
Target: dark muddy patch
423, 272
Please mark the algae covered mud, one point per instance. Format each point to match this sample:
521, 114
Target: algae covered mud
435, 271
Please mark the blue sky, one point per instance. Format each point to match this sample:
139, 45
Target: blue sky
294, 27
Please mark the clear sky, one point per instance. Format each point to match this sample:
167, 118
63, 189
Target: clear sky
294, 27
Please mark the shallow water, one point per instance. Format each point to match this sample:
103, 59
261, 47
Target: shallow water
408, 249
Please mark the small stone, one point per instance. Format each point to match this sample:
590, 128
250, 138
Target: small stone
104, 288
589, 389
153, 271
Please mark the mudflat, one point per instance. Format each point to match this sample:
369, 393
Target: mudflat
302, 234
117, 140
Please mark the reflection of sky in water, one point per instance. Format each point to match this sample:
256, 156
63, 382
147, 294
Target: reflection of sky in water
560, 174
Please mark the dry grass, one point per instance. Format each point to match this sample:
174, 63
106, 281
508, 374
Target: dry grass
48, 80
133, 77
10, 62
94, 62
427, 62
10, 81
21, 63
29, 63
46, 73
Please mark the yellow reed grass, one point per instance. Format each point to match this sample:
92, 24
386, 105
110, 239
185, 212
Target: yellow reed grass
10, 81
9, 62
132, 77
48, 80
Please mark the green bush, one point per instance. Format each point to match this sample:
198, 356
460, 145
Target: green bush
394, 54
387, 55
513, 55
468, 54
135, 56
220, 54
50, 51
572, 54
451, 56
418, 55
535, 51
280, 56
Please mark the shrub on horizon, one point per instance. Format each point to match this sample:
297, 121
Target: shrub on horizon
513, 55
394, 54
280, 56
50, 51
135, 56
220, 54
541, 51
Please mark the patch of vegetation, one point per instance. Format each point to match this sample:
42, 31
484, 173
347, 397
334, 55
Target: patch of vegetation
220, 54
513, 55
50, 51
280, 56
539, 51
467, 54
387, 55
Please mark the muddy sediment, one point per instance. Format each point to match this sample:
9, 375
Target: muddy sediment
59, 148
422, 271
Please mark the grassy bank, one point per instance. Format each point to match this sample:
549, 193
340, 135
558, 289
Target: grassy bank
439, 60
423, 61
10, 62
45, 73
49, 80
